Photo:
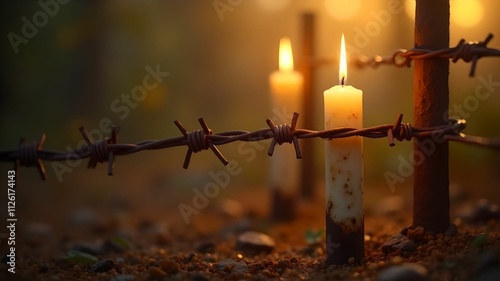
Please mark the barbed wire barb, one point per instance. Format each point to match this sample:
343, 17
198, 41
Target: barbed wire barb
470, 51
32, 154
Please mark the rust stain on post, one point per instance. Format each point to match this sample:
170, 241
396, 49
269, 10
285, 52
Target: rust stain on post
431, 197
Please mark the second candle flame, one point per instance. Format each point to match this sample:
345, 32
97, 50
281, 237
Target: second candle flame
343, 63
286, 57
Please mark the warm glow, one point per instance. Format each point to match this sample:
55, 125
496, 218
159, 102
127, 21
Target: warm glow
343, 63
466, 13
286, 57
273, 5
410, 8
342, 9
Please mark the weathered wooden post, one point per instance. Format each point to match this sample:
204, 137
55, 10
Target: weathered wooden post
430, 191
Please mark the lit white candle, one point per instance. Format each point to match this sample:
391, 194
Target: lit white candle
344, 170
286, 93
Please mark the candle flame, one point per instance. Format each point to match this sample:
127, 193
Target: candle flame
343, 63
285, 57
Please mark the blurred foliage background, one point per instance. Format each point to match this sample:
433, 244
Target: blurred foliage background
219, 55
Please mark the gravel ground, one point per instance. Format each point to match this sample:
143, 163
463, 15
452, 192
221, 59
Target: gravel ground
218, 246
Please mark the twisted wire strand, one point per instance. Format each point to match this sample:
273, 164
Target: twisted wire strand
467, 51
203, 139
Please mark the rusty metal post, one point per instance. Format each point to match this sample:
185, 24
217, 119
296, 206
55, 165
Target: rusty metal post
307, 181
431, 198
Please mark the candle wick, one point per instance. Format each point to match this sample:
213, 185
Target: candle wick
342, 82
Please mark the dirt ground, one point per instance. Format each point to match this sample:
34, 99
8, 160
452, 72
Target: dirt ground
112, 244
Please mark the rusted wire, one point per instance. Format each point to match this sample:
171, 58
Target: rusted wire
467, 51
203, 139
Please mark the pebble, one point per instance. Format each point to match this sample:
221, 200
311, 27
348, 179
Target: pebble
102, 266
404, 272
398, 242
156, 273
238, 266
290, 273
255, 241
169, 266
451, 230
481, 212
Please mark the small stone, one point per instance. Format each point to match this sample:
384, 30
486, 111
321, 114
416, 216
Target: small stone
102, 266
169, 266
351, 260
206, 247
398, 242
290, 273
189, 258
451, 230
481, 212
282, 264
156, 273
233, 265
406, 272
255, 242
417, 233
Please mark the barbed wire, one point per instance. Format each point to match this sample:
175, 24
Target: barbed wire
105, 150
467, 51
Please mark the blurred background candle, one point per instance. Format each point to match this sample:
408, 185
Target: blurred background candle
344, 170
286, 93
